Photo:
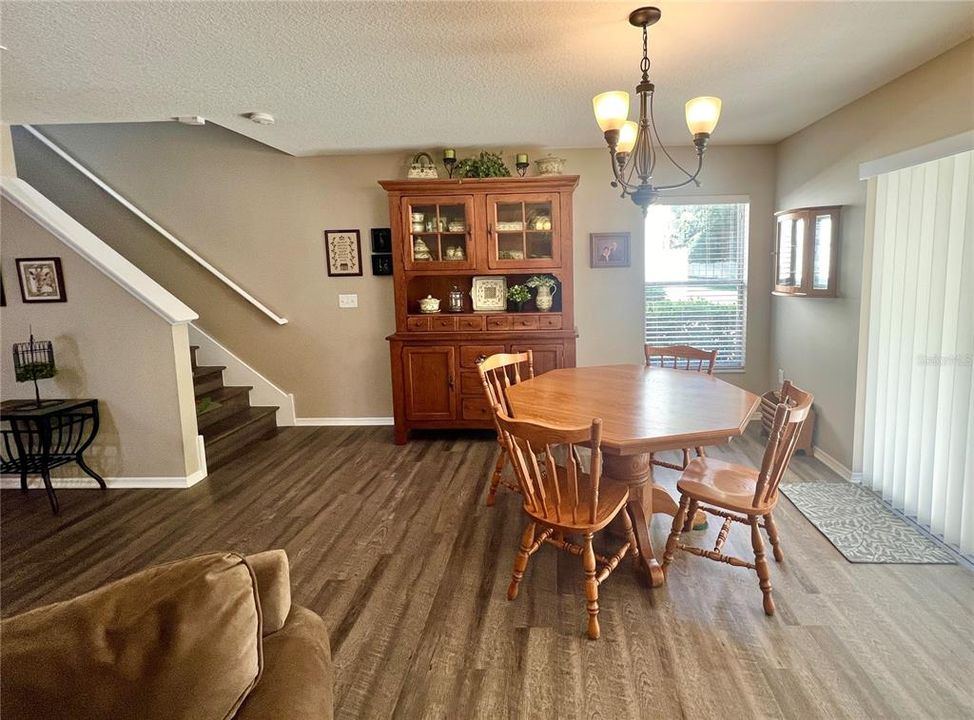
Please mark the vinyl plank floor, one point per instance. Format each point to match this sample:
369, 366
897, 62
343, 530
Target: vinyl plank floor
395, 549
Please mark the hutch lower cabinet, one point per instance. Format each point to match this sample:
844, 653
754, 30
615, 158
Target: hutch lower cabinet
463, 236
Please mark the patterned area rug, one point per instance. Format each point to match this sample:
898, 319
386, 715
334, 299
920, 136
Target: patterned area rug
861, 526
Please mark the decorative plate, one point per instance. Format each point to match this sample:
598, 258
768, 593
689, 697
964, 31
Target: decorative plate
489, 292
513, 226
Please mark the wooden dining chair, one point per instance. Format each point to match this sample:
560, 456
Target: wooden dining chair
497, 373
562, 499
742, 494
680, 357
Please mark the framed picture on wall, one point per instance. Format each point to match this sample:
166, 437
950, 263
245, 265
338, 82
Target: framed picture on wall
382, 264
41, 280
610, 249
343, 252
382, 240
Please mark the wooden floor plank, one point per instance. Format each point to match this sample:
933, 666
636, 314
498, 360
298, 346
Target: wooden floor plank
394, 547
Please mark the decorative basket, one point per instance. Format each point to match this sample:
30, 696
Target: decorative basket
423, 168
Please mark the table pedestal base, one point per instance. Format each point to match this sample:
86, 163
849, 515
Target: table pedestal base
645, 498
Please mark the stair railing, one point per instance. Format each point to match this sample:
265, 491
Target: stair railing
203, 262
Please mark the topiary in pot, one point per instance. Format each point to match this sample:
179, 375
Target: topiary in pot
486, 165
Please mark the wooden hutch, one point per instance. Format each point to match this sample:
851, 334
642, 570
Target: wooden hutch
510, 227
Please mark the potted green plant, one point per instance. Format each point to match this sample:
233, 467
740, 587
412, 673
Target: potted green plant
518, 295
546, 287
486, 165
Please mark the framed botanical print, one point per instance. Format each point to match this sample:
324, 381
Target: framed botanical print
41, 280
382, 240
610, 249
343, 252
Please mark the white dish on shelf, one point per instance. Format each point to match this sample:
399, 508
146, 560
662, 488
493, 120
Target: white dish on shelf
514, 226
489, 292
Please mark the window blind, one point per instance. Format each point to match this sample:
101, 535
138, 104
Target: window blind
696, 278
918, 429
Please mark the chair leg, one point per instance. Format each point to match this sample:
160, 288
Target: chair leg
495, 479
591, 587
521, 560
761, 565
691, 514
23, 480
676, 531
772, 527
686, 457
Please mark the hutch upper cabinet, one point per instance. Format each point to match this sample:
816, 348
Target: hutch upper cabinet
806, 250
444, 234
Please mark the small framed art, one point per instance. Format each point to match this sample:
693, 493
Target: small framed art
343, 252
382, 264
41, 280
381, 240
610, 249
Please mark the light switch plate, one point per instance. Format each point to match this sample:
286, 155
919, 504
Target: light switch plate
348, 301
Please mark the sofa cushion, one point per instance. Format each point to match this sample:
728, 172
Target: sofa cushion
274, 585
297, 679
180, 640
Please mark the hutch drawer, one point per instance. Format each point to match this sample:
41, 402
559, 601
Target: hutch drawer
441, 323
549, 322
524, 322
470, 324
417, 323
469, 354
499, 322
475, 409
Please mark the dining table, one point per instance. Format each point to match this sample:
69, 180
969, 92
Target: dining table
644, 410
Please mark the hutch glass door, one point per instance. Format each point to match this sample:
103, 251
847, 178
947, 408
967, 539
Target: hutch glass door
523, 231
438, 232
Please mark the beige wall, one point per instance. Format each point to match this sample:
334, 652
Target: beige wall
258, 215
815, 341
107, 345
8, 167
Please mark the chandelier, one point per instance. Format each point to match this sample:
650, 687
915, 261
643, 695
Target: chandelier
633, 146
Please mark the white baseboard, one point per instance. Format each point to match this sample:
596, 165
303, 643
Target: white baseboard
832, 464
11, 482
343, 421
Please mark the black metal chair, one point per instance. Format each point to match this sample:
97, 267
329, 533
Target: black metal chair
33, 446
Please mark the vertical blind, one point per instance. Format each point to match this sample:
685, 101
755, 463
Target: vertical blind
696, 278
918, 439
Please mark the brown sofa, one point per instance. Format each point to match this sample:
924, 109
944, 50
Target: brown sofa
211, 637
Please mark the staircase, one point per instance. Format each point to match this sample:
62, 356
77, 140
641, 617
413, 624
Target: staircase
226, 420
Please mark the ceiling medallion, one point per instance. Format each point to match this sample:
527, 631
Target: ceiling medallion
633, 146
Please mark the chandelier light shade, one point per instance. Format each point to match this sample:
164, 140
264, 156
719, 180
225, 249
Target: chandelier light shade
611, 109
703, 114
635, 145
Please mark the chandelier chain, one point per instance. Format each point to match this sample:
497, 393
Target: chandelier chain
645, 63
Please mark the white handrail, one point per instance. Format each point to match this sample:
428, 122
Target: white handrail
77, 237
156, 226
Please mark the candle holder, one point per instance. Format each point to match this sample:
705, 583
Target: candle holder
522, 167
449, 161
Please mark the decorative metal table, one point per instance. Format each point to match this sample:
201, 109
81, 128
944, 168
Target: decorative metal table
37, 439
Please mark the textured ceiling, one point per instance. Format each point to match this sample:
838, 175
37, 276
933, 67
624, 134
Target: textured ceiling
343, 76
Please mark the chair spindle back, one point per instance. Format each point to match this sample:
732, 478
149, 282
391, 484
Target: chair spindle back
551, 491
788, 420
681, 357
500, 371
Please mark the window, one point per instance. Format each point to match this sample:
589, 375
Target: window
696, 278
